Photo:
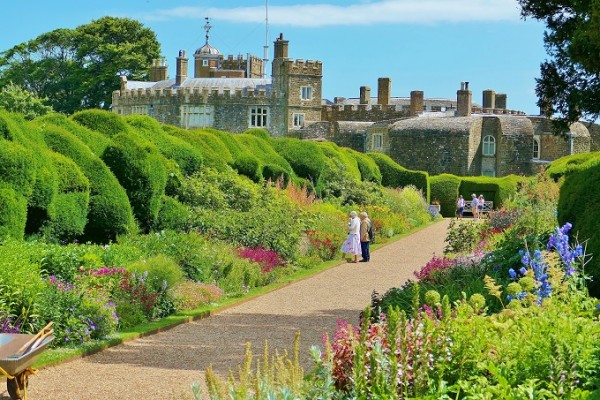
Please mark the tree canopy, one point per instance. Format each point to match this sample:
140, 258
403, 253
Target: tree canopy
16, 99
569, 86
79, 68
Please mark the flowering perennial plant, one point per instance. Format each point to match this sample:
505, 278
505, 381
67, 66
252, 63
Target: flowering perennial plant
428, 272
325, 246
268, 259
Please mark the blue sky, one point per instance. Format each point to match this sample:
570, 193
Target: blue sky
429, 45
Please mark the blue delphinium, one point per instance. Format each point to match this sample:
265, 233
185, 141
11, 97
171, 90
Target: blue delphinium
559, 241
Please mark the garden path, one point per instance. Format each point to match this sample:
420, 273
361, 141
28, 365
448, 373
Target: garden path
164, 365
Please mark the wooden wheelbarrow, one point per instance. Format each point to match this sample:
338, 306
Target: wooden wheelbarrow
18, 352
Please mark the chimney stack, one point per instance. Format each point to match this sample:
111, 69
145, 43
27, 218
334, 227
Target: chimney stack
182, 68
281, 47
501, 101
489, 99
416, 102
384, 90
464, 100
365, 95
158, 70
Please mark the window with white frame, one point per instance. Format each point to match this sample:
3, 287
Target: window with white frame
196, 116
306, 93
536, 147
205, 63
377, 142
489, 146
298, 120
141, 110
259, 117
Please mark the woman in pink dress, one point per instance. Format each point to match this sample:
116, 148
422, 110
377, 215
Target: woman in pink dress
351, 246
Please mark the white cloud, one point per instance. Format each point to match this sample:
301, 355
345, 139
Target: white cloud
363, 13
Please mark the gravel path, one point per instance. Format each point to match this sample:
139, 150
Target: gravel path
164, 365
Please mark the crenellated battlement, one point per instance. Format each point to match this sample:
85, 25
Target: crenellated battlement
304, 67
496, 111
191, 94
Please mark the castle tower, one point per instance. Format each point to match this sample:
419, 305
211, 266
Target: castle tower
384, 91
182, 68
365, 95
464, 100
489, 99
416, 102
158, 70
207, 58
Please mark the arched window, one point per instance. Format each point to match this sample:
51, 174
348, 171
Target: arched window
489, 145
536, 148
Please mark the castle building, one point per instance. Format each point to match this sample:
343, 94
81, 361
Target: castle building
451, 135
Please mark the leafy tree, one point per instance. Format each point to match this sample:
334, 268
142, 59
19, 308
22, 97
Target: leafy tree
16, 99
79, 68
569, 84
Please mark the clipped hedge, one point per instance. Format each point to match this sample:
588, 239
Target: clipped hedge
333, 151
235, 148
265, 153
444, 188
306, 158
140, 170
494, 189
17, 167
260, 133
172, 215
394, 175
105, 122
249, 166
13, 213
96, 141
188, 158
573, 163
214, 152
369, 171
110, 212
579, 204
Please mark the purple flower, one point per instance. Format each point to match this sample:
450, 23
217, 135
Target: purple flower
512, 273
523, 270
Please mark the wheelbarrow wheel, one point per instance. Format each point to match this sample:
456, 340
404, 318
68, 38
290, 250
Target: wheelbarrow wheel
16, 387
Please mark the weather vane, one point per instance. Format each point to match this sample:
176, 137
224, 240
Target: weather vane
207, 28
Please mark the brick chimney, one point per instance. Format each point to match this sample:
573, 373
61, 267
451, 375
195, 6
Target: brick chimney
464, 100
416, 102
365, 95
182, 68
384, 90
281, 47
158, 70
501, 100
489, 99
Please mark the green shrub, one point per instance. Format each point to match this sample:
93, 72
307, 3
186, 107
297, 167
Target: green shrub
139, 168
13, 213
336, 182
369, 171
188, 159
94, 140
333, 152
249, 166
45, 185
17, 167
107, 123
263, 150
260, 133
444, 188
306, 158
572, 163
214, 152
274, 172
228, 140
110, 212
162, 271
394, 175
172, 215
579, 204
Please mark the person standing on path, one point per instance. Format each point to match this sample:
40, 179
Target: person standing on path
480, 204
460, 206
351, 246
365, 240
474, 203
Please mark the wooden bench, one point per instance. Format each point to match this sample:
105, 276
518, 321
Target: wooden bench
487, 207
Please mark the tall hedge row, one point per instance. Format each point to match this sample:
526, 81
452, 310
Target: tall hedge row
333, 151
105, 122
495, 189
96, 141
579, 204
110, 212
306, 158
272, 164
13, 213
394, 175
444, 188
214, 153
369, 171
572, 163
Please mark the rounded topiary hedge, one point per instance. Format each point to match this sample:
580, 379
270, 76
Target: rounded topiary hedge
394, 175
140, 170
579, 204
13, 213
259, 133
369, 171
572, 163
444, 188
105, 122
110, 212
249, 166
188, 158
96, 141
18, 167
235, 148
214, 152
264, 152
306, 158
333, 151
172, 215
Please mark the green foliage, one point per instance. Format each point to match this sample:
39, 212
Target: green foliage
110, 212
579, 204
13, 213
172, 215
336, 183
14, 98
80, 68
263, 150
444, 188
96, 141
260, 133
463, 237
306, 158
161, 272
572, 163
369, 171
497, 190
139, 168
188, 159
214, 153
393, 175
17, 167
107, 123
249, 166
228, 139
336, 156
